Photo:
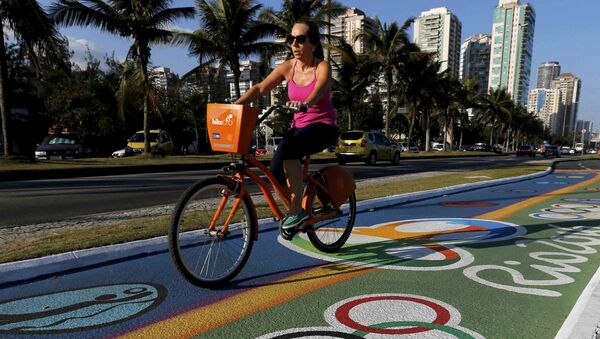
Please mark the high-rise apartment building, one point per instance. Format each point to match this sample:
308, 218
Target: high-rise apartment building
475, 60
438, 31
162, 78
348, 25
546, 104
512, 47
249, 77
547, 71
570, 87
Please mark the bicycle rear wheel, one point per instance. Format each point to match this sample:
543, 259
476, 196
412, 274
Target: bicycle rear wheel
210, 258
331, 234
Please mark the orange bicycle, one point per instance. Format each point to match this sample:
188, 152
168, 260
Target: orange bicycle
215, 221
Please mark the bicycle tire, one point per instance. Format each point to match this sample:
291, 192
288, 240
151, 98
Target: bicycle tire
191, 245
318, 234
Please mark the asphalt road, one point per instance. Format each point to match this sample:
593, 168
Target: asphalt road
38, 201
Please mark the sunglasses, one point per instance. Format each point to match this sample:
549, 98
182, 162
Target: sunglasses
299, 39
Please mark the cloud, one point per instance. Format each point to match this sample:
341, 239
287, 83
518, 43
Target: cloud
80, 48
179, 29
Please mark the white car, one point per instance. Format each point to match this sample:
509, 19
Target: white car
118, 153
566, 150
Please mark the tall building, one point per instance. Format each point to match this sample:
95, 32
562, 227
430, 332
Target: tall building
162, 78
546, 104
547, 71
438, 31
249, 77
570, 87
512, 47
348, 25
209, 82
475, 60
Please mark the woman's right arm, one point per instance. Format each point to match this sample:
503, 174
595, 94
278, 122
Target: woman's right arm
267, 85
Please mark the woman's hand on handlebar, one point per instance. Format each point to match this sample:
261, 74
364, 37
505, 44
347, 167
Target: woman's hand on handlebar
298, 106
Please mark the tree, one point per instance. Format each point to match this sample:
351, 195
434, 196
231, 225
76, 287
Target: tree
34, 30
294, 10
144, 21
229, 31
496, 108
353, 74
416, 80
384, 43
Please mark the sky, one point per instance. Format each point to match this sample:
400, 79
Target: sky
567, 31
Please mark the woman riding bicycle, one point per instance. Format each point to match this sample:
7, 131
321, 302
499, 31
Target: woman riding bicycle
314, 126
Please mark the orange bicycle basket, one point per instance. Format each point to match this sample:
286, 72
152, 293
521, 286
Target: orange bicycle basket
230, 127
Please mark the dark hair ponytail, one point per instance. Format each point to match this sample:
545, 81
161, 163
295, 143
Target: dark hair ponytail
314, 35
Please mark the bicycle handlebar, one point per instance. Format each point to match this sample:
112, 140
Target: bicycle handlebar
274, 107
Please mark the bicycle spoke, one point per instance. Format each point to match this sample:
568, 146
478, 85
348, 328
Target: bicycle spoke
212, 256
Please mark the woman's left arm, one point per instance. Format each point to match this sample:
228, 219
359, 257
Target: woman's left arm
323, 83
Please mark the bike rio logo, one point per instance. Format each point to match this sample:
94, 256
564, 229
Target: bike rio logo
415, 245
227, 122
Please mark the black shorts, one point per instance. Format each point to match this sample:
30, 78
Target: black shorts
300, 142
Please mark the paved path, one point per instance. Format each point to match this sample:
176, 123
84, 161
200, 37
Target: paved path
504, 261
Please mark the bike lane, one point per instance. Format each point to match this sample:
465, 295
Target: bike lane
502, 261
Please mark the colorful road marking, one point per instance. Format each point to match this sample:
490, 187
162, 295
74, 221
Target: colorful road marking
385, 315
204, 318
79, 309
414, 245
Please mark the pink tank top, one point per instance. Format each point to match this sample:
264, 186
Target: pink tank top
323, 111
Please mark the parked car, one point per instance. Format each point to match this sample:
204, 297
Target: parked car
61, 146
408, 147
272, 144
526, 150
550, 150
160, 142
437, 147
125, 152
579, 147
566, 150
367, 146
468, 148
260, 151
482, 147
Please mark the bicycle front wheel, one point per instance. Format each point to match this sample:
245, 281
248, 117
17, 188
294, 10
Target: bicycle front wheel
331, 234
208, 258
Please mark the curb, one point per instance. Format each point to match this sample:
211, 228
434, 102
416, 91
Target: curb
19, 271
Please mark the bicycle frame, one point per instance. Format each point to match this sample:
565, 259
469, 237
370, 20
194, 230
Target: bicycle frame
243, 169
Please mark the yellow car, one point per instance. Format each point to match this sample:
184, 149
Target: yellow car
160, 142
367, 146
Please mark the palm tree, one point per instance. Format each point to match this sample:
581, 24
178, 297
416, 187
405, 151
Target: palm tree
293, 10
353, 74
496, 108
146, 22
36, 33
230, 31
384, 43
416, 80
468, 97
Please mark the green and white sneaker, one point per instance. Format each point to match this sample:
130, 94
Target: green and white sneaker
294, 220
